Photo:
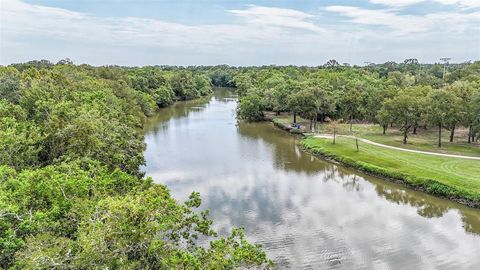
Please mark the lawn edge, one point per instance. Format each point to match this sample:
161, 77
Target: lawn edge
430, 186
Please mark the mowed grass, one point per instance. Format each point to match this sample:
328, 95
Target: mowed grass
424, 140
459, 173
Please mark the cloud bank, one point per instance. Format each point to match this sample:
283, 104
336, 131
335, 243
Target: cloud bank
253, 35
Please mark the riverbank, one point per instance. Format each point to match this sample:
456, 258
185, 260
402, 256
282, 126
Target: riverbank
447, 177
451, 178
283, 196
422, 140
285, 123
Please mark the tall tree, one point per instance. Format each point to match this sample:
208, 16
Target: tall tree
443, 107
404, 110
351, 101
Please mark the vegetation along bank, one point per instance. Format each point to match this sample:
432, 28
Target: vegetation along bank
72, 195
410, 105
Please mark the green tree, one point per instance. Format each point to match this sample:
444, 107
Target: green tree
462, 114
66, 217
10, 84
443, 108
351, 101
385, 115
473, 117
20, 140
404, 109
163, 96
250, 108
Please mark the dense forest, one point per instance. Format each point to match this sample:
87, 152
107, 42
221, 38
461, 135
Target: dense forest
408, 95
71, 192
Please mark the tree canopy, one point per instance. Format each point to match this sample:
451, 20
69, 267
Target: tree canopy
407, 94
72, 195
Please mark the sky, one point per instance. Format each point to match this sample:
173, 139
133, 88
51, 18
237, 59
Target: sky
238, 33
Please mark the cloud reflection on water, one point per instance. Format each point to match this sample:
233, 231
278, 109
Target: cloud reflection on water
308, 213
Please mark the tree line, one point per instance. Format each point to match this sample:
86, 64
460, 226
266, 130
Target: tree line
72, 195
408, 95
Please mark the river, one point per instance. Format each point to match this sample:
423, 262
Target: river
307, 213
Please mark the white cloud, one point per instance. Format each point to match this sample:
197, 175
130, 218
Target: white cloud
401, 23
255, 35
407, 24
396, 3
259, 24
268, 16
403, 3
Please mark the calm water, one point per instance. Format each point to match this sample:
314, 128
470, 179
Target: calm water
308, 213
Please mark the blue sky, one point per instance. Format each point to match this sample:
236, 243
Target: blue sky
239, 32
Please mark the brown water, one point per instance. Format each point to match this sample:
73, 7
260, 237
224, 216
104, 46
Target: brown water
308, 213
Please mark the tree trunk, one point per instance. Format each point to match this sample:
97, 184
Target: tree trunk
439, 135
294, 117
350, 123
405, 132
384, 129
311, 124
415, 129
470, 134
278, 112
452, 133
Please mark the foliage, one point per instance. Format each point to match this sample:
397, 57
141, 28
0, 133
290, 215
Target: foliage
164, 96
404, 109
72, 195
250, 108
82, 215
10, 84
389, 93
444, 109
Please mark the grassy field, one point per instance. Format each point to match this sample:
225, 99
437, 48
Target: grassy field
424, 140
450, 177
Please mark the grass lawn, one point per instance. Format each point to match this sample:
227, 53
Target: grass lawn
424, 140
461, 174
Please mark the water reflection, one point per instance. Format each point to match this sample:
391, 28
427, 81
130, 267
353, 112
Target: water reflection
308, 213
161, 121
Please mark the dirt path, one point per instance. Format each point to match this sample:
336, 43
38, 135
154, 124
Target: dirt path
329, 136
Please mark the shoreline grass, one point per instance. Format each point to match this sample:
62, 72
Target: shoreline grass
451, 178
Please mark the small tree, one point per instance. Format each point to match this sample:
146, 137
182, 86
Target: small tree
384, 116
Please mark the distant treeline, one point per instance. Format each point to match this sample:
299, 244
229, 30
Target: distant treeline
407, 94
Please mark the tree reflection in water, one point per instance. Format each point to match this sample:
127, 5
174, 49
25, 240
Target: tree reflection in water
307, 212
